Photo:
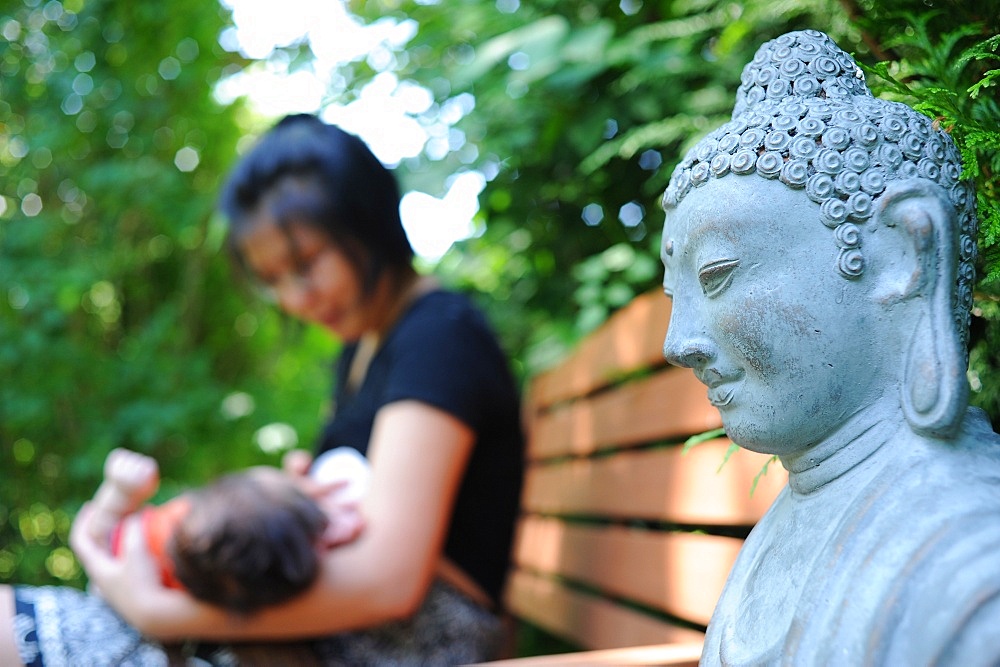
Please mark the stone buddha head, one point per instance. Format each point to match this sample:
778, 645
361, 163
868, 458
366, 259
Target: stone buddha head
819, 249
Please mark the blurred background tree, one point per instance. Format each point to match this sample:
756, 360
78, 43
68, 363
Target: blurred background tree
119, 325
582, 110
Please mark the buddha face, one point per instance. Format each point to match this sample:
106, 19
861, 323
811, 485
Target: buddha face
788, 347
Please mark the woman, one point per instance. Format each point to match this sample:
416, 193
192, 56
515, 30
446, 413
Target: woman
422, 389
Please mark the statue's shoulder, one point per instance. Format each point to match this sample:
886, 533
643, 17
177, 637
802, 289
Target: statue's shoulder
977, 431
915, 560
947, 592
960, 475
969, 465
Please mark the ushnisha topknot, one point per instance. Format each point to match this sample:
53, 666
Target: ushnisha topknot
805, 116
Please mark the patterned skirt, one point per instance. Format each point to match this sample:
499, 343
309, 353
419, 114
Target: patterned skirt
58, 627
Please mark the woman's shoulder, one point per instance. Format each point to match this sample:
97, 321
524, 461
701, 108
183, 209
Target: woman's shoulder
447, 326
440, 300
441, 310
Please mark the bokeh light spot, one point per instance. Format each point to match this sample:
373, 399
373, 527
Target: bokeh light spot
187, 159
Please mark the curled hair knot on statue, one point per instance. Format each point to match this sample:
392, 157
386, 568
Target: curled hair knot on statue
805, 116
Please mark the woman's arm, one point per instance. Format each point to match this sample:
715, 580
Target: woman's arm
418, 455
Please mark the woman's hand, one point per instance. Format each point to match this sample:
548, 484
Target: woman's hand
108, 573
88, 543
130, 583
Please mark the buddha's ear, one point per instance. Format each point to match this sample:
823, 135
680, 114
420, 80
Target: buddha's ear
918, 219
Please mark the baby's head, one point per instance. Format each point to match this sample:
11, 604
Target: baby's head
251, 539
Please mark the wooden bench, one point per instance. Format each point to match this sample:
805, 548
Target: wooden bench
624, 540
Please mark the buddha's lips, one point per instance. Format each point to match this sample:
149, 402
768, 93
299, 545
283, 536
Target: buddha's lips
722, 395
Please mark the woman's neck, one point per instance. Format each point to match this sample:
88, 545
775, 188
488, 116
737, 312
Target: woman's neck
394, 294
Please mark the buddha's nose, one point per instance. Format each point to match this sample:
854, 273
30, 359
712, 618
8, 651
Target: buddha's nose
685, 346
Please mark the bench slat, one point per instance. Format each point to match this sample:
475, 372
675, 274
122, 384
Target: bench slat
670, 404
631, 339
681, 574
586, 620
605, 555
661, 484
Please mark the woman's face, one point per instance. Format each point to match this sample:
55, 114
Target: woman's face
310, 277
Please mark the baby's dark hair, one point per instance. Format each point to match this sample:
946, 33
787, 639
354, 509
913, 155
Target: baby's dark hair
247, 543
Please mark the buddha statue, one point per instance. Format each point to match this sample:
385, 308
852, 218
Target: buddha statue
819, 249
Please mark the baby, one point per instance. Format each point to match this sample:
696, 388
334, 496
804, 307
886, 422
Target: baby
246, 540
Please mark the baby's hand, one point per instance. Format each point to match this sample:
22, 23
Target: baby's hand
345, 524
296, 462
136, 476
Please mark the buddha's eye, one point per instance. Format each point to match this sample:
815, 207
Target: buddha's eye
716, 276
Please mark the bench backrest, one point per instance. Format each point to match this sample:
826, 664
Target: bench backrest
623, 539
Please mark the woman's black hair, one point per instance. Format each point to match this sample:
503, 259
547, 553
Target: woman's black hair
308, 171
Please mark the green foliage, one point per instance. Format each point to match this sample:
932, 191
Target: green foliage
118, 322
983, 51
581, 111
946, 64
761, 473
696, 440
944, 77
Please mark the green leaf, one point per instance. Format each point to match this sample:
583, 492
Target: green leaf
695, 440
761, 473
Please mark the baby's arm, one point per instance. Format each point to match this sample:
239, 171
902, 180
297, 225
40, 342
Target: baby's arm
130, 479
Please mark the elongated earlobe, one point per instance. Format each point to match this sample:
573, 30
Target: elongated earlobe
934, 392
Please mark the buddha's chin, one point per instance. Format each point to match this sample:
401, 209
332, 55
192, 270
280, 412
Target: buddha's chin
753, 435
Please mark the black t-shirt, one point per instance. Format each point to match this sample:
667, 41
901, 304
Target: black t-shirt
443, 352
